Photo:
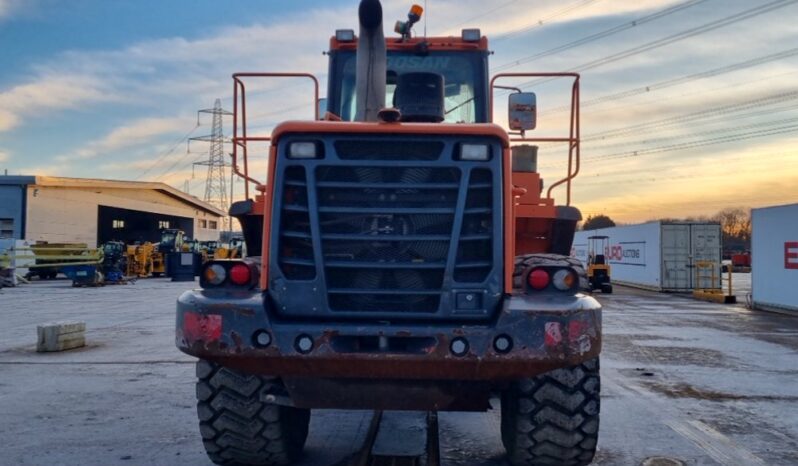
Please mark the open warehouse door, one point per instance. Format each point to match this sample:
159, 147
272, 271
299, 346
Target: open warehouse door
132, 226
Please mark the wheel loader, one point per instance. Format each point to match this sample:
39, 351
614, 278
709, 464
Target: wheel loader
402, 255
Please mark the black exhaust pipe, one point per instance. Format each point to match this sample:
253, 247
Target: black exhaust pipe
371, 62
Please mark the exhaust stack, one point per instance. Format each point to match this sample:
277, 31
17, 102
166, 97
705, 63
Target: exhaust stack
371, 62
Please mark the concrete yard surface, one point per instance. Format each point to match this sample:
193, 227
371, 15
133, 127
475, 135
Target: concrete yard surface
703, 383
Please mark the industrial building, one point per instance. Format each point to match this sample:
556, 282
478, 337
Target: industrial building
92, 211
774, 249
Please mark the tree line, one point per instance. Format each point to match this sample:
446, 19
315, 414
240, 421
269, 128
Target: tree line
735, 225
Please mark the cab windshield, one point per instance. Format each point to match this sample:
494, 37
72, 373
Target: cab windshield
463, 73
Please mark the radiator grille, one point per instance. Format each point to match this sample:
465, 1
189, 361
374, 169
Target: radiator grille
387, 228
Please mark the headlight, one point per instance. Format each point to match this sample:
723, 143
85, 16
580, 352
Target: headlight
475, 152
471, 35
345, 35
304, 150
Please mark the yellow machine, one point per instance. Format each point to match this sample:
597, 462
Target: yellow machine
148, 259
234, 250
598, 269
140, 260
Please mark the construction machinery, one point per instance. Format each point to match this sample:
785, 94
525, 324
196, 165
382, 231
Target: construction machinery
402, 255
139, 260
149, 259
232, 250
51, 256
114, 265
598, 269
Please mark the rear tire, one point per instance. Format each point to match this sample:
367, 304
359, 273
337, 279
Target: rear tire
606, 288
238, 428
553, 419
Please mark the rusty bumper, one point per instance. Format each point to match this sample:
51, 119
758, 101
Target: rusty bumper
235, 328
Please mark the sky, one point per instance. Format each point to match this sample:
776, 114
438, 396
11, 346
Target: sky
688, 106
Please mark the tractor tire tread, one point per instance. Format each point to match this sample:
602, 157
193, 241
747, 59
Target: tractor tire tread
237, 428
553, 419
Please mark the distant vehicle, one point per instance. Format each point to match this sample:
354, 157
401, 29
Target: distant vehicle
598, 268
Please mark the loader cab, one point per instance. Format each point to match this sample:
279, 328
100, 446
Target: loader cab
171, 240
462, 63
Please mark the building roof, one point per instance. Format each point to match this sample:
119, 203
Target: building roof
17, 180
112, 184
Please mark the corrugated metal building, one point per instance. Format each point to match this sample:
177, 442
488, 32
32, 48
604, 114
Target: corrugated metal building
78, 210
661, 256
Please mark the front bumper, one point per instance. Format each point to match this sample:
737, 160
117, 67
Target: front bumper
547, 332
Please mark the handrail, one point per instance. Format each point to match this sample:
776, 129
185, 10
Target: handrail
241, 141
573, 138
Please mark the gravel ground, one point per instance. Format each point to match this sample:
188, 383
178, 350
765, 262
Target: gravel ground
703, 383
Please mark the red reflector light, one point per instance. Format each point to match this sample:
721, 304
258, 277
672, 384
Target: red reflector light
240, 274
539, 279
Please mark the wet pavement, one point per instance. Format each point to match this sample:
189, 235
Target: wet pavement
702, 383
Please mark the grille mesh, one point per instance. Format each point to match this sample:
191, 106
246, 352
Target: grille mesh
389, 233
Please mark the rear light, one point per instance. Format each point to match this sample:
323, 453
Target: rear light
240, 274
234, 273
538, 279
564, 279
215, 274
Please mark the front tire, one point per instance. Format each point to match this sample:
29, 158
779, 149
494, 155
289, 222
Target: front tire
238, 428
553, 419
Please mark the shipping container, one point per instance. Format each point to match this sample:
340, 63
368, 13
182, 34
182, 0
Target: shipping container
661, 256
774, 253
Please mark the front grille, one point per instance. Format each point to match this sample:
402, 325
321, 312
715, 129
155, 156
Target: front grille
386, 236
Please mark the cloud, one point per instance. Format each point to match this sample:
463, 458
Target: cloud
4, 156
51, 91
7, 7
133, 134
146, 73
175, 76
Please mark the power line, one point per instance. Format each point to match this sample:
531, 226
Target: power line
692, 32
693, 144
714, 112
168, 152
654, 179
701, 133
482, 15
544, 21
600, 35
683, 79
647, 170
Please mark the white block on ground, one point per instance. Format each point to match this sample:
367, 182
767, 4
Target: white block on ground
60, 336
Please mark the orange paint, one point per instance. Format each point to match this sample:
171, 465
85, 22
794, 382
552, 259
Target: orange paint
347, 127
433, 43
268, 199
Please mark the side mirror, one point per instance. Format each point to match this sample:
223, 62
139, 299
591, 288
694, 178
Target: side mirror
523, 110
322, 107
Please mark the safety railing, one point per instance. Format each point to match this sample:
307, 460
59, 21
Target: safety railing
573, 138
241, 138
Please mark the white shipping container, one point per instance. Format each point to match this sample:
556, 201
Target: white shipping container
774, 255
660, 256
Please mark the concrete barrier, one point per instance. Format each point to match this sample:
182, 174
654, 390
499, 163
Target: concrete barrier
60, 336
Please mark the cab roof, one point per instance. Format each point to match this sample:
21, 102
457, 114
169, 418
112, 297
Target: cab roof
433, 43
